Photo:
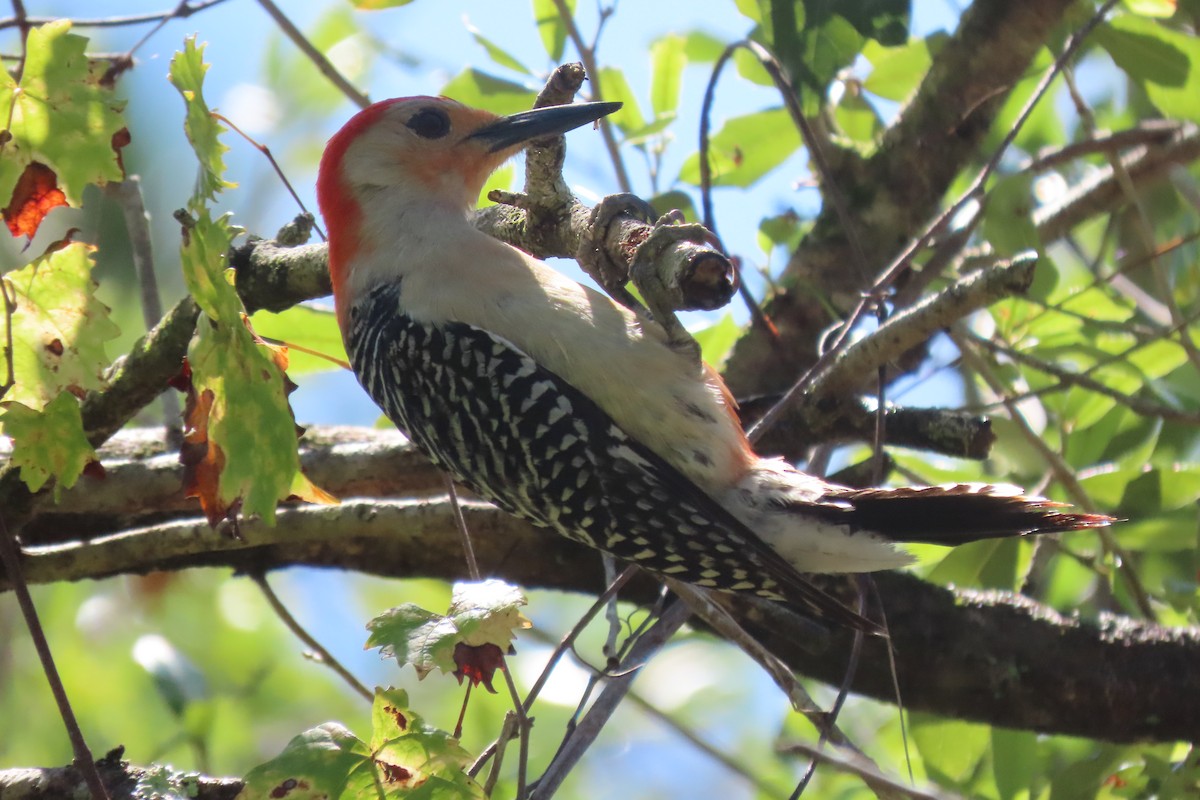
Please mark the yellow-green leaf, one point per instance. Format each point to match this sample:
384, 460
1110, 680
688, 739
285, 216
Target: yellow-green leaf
551, 27
746, 148
248, 419
62, 115
59, 327
479, 89
667, 60
49, 443
203, 130
312, 337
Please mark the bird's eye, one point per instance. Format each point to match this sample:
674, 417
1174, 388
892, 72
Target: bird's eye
430, 123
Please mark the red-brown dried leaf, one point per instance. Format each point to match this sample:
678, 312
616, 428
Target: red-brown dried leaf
478, 663
202, 460
35, 195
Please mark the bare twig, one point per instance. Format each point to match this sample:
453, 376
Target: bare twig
854, 764
587, 54
463, 531
128, 195
11, 557
117, 22
266, 151
314, 55
320, 654
578, 741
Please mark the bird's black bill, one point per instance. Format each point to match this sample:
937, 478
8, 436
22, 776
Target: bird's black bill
517, 129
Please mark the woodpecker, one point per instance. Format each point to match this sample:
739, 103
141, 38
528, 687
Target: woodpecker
567, 409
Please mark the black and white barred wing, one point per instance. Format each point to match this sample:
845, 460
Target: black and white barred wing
525, 439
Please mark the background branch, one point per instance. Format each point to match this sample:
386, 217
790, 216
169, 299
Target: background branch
987, 656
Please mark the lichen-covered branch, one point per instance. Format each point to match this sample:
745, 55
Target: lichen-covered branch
988, 656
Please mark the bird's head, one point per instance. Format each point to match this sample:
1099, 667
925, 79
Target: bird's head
431, 151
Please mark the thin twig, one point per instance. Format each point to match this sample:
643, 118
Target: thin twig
561, 649
523, 726
116, 22
588, 56
266, 151
322, 63
584, 734
901, 263
11, 557
854, 764
322, 655
128, 196
463, 531
843, 691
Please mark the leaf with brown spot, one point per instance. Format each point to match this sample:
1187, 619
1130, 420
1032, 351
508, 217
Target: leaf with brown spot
35, 195
59, 328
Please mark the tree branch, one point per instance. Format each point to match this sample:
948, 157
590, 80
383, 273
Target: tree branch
898, 189
987, 656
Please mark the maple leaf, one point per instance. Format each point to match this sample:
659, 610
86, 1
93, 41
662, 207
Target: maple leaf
34, 196
405, 758
58, 327
468, 642
240, 445
61, 117
49, 442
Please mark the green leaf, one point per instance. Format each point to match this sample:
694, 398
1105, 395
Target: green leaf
411, 759
700, 47
1014, 762
885, 21
250, 432
675, 200
667, 60
48, 443
1163, 9
1165, 62
951, 749
751, 9
58, 327
497, 53
615, 87
308, 328
485, 613
203, 130
551, 26
481, 90
1008, 216
62, 115
746, 148
782, 230
717, 340
857, 119
897, 71
829, 48
315, 765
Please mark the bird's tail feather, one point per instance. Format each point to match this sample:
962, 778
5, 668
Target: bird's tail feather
955, 514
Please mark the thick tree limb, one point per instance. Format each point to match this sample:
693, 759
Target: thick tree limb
991, 657
122, 780
898, 189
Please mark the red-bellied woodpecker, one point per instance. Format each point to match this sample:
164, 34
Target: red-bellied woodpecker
565, 408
